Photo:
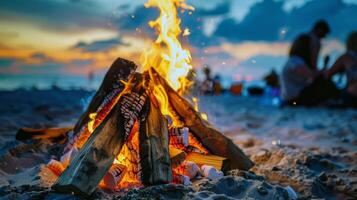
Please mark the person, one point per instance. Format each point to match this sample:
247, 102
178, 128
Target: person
272, 79
272, 83
301, 82
207, 85
347, 63
319, 31
217, 86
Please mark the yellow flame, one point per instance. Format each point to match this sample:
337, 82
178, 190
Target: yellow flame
91, 122
196, 107
167, 55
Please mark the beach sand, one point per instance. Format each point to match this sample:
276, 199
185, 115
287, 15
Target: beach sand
310, 151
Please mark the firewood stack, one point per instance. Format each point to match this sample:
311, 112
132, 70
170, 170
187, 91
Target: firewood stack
125, 108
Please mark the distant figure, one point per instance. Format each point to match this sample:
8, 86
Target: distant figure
301, 83
207, 84
347, 63
272, 79
90, 79
217, 86
319, 31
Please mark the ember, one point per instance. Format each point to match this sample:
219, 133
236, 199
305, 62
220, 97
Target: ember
139, 129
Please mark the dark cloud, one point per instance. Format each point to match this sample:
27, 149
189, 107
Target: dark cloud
342, 17
82, 63
56, 15
267, 18
39, 55
221, 9
139, 18
99, 45
261, 23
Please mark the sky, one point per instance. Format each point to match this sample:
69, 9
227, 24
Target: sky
238, 39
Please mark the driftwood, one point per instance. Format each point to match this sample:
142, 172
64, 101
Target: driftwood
52, 135
220, 163
211, 138
95, 158
118, 71
154, 147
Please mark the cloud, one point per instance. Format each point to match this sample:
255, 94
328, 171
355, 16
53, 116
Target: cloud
261, 23
267, 18
246, 50
99, 45
221, 9
56, 15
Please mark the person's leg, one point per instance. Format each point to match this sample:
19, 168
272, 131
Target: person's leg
317, 92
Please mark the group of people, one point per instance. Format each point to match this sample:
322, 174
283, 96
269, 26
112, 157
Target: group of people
302, 83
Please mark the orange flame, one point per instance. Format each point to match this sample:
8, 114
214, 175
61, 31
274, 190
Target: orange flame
166, 54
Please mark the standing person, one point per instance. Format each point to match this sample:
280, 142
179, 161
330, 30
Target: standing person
347, 63
302, 84
319, 31
207, 85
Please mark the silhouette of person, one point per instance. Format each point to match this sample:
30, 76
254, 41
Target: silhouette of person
302, 84
207, 84
319, 31
347, 64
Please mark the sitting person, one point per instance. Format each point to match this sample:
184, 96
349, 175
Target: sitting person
301, 83
347, 63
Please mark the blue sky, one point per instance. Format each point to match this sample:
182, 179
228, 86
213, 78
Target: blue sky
239, 39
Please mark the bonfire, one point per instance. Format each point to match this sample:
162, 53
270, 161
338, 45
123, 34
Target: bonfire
139, 129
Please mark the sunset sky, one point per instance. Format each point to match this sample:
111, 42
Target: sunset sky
239, 39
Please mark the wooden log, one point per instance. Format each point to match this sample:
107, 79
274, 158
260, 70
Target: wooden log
118, 71
177, 156
218, 162
212, 139
52, 135
95, 158
154, 147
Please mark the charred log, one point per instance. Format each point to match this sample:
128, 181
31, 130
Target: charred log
154, 147
211, 138
95, 158
119, 71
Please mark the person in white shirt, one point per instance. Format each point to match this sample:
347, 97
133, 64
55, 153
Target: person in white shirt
301, 83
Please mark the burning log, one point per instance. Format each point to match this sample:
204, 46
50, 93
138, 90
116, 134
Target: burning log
120, 70
95, 158
177, 156
114, 176
212, 139
154, 147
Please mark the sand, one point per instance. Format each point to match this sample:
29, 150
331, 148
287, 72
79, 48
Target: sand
310, 151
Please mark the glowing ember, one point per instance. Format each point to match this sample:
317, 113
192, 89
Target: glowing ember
167, 56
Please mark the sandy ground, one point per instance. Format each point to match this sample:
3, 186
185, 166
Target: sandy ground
311, 151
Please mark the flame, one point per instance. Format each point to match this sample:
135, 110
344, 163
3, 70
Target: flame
91, 122
166, 54
196, 107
